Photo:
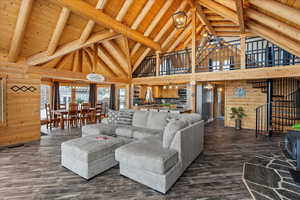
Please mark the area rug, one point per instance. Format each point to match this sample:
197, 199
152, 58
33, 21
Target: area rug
267, 177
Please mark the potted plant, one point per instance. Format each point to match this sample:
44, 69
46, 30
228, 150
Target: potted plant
238, 114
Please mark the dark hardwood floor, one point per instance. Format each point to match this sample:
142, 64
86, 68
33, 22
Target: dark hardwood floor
33, 171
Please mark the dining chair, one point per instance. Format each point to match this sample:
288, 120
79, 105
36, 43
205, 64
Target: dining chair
99, 112
50, 120
72, 117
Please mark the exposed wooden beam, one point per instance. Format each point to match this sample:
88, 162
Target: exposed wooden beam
169, 23
202, 17
273, 36
70, 47
180, 37
69, 75
82, 8
117, 53
19, 32
222, 23
220, 9
282, 10
240, 13
243, 74
102, 67
153, 23
124, 10
60, 25
110, 61
142, 14
227, 29
90, 25
262, 18
200, 28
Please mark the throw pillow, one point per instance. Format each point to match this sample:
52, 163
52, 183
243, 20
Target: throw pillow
170, 131
125, 117
112, 116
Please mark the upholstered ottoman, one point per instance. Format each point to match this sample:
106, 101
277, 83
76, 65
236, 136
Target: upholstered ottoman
90, 155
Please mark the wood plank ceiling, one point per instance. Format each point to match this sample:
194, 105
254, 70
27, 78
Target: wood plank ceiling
112, 37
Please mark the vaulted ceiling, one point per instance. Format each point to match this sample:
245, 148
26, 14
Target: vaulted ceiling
112, 37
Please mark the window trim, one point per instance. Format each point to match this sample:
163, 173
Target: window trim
3, 80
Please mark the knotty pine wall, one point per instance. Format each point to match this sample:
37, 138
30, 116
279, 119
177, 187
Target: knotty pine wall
254, 98
23, 108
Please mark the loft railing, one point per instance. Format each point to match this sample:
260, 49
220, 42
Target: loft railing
177, 62
146, 68
223, 57
220, 58
262, 53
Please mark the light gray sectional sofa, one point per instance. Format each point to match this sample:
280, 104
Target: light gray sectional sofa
153, 148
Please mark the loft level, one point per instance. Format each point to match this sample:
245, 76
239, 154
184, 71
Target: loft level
224, 56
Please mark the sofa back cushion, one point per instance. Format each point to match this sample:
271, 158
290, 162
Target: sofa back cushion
157, 120
140, 119
112, 116
170, 131
191, 118
125, 117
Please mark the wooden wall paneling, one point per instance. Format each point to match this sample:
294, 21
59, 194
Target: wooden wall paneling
254, 98
23, 119
19, 32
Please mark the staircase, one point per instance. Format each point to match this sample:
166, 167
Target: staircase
282, 108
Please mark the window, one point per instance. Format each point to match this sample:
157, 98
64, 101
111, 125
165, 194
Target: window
45, 99
103, 97
2, 100
65, 94
82, 94
122, 98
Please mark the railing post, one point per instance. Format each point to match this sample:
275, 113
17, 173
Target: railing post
157, 67
243, 51
193, 39
269, 105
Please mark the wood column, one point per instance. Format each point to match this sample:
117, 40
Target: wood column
193, 39
128, 96
243, 51
193, 87
157, 63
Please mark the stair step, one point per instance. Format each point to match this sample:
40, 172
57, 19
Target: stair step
283, 123
277, 96
288, 118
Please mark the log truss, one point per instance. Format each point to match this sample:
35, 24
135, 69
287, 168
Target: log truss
113, 37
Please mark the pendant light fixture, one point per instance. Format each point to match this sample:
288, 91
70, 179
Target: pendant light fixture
179, 19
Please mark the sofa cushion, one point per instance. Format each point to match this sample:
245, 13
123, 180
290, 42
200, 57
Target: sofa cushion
112, 116
125, 131
191, 118
147, 155
90, 148
157, 120
140, 118
170, 131
140, 133
125, 117
98, 129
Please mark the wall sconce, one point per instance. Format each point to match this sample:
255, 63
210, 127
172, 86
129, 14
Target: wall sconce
179, 19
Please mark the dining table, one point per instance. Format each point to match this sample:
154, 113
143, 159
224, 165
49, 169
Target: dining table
61, 113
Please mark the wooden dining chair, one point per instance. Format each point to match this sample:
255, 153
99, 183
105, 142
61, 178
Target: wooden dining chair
72, 117
99, 112
50, 120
